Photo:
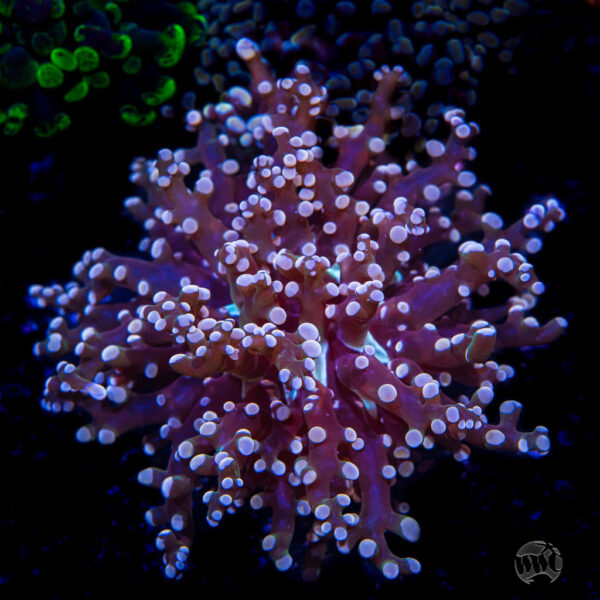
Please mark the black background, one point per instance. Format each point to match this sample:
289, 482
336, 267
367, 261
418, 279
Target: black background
72, 515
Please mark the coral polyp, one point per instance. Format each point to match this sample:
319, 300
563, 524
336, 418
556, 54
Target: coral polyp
286, 332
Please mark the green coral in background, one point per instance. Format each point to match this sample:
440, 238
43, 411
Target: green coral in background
55, 54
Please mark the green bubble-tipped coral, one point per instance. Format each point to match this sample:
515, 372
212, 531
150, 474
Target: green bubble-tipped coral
54, 55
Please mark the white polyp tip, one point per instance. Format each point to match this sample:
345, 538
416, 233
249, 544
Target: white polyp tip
278, 315
246, 49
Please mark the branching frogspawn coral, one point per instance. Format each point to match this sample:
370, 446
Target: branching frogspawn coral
285, 335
